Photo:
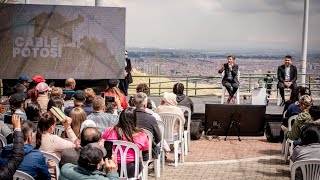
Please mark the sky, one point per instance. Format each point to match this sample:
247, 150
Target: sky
219, 24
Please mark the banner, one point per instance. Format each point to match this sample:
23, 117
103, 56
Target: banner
59, 42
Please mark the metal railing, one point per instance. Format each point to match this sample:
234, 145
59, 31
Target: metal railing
195, 84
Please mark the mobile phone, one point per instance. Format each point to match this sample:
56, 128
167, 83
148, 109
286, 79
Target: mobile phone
7, 119
63, 96
102, 94
108, 146
109, 99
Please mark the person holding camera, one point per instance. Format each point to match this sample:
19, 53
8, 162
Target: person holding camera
89, 163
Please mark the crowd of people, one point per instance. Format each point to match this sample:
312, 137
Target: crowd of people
91, 119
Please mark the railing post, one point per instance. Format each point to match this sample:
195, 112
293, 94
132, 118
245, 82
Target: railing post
195, 88
159, 89
309, 82
149, 86
249, 83
187, 89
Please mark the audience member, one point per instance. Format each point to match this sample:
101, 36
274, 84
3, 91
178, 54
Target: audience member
182, 99
33, 112
56, 102
43, 96
6, 131
47, 141
114, 91
79, 99
146, 120
90, 95
89, 163
22, 85
34, 162
230, 78
56, 92
38, 79
78, 116
68, 90
309, 148
145, 89
71, 155
294, 98
126, 130
102, 119
17, 106
7, 171
287, 76
303, 118
87, 123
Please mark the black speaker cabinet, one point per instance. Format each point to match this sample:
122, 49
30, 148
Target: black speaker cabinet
250, 118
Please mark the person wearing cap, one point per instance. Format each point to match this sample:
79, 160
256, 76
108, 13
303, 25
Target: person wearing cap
38, 79
114, 91
17, 106
305, 103
88, 135
79, 99
43, 96
68, 90
23, 84
89, 162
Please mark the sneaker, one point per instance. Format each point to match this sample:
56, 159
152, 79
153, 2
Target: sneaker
229, 98
233, 100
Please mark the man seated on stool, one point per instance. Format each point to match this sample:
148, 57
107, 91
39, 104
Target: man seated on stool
230, 79
287, 76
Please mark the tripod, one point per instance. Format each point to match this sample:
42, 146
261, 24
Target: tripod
232, 123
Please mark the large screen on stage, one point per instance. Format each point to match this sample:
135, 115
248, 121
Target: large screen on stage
59, 42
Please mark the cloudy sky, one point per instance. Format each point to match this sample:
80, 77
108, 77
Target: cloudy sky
211, 24
215, 24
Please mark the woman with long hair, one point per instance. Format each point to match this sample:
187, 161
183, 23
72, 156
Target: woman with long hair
78, 115
115, 92
126, 130
33, 112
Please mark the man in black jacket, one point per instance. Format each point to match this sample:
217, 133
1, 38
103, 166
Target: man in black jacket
287, 77
230, 78
13, 163
146, 120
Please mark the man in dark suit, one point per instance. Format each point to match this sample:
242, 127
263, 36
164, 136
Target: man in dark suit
287, 77
230, 78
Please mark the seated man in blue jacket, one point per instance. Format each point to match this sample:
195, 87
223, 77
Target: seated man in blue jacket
34, 162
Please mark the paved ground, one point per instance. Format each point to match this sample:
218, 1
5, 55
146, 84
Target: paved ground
252, 158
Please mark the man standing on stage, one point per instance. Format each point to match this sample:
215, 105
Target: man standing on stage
230, 78
287, 76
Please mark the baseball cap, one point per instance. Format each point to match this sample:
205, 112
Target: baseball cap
38, 79
24, 78
306, 100
16, 99
42, 87
96, 145
80, 95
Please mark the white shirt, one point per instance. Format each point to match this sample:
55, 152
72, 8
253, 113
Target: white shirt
287, 69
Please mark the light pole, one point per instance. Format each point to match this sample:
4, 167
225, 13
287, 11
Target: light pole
304, 49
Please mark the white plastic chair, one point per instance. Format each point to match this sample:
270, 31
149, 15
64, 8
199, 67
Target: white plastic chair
3, 140
310, 169
279, 100
19, 175
288, 149
186, 133
284, 140
162, 152
122, 147
224, 90
169, 120
151, 159
55, 159
58, 130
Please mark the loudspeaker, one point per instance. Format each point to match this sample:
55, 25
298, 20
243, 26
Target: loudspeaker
272, 131
250, 119
196, 129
